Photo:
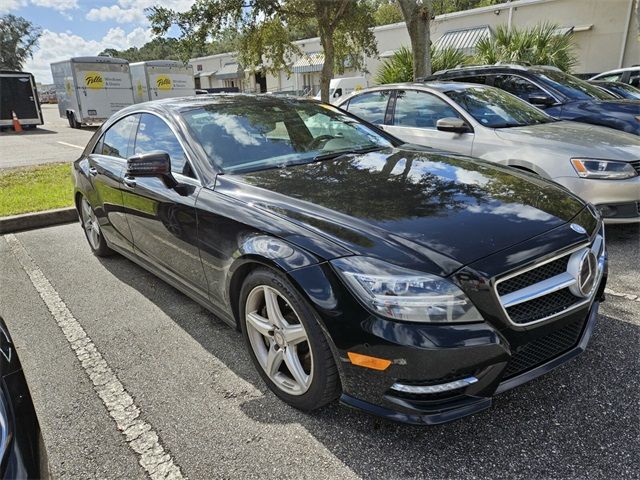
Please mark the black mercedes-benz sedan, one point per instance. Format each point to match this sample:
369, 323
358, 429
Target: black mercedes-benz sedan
408, 282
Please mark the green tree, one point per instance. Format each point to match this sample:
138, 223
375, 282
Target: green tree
399, 68
386, 12
265, 28
18, 38
538, 45
441, 7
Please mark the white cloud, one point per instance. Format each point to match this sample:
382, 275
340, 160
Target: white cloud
132, 11
116, 13
59, 5
7, 6
56, 46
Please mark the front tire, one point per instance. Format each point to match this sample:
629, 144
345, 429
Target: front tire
286, 343
92, 231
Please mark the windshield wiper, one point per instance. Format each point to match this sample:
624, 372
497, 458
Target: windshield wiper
339, 153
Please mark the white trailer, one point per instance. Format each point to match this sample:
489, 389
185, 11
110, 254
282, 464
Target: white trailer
91, 89
161, 79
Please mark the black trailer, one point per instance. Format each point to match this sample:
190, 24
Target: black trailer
18, 94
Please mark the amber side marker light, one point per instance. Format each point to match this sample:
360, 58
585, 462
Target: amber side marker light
368, 362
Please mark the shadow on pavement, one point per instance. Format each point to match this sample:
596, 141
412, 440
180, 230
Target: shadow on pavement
580, 421
28, 132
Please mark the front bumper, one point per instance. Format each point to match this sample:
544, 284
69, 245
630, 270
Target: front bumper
618, 201
362, 394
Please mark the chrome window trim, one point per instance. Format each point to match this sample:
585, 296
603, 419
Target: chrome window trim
596, 245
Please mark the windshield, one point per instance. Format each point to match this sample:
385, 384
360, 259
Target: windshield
573, 87
495, 108
244, 134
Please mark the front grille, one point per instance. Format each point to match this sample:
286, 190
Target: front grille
537, 352
542, 307
548, 289
536, 275
636, 165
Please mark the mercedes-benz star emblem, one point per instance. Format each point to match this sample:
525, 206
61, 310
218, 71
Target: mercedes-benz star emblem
583, 266
578, 228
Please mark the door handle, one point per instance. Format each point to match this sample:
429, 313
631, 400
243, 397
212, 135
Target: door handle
93, 171
129, 182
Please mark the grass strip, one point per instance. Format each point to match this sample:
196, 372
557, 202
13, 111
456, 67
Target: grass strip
35, 188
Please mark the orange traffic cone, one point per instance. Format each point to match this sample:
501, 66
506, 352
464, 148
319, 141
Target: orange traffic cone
16, 123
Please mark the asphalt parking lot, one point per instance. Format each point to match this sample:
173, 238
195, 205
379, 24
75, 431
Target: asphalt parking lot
191, 383
52, 142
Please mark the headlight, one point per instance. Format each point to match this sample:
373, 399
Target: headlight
403, 294
607, 169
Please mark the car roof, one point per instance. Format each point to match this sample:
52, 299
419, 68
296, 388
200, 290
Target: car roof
497, 67
174, 104
620, 70
440, 86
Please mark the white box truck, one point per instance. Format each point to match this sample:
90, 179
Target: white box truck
18, 94
339, 87
156, 79
91, 89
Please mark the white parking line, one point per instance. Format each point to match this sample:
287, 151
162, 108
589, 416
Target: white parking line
71, 145
139, 434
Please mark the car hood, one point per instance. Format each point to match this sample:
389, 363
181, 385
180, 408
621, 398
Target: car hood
631, 107
414, 207
575, 138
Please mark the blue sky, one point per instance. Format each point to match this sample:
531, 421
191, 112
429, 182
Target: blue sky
83, 27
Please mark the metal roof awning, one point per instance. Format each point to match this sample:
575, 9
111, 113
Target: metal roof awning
204, 74
464, 39
312, 62
230, 70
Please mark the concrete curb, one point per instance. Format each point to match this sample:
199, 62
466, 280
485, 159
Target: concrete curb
28, 221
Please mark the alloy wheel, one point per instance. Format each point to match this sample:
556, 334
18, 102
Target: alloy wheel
90, 224
279, 340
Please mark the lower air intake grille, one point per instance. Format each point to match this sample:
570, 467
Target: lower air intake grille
535, 353
542, 307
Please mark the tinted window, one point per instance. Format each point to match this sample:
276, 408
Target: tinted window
572, 86
634, 79
370, 106
494, 108
481, 79
610, 78
155, 134
420, 109
518, 86
249, 134
117, 141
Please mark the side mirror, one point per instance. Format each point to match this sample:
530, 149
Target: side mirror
452, 124
541, 100
151, 164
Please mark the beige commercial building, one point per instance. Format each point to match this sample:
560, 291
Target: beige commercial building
605, 33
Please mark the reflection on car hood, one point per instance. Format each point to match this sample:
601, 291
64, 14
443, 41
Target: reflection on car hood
575, 138
408, 206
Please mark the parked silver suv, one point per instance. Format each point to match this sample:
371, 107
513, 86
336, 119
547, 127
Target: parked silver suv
599, 164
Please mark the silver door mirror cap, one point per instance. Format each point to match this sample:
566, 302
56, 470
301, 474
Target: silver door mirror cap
452, 124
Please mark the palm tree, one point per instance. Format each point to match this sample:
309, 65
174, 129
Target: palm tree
538, 45
399, 68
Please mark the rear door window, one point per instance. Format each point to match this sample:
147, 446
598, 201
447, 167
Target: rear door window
481, 79
154, 134
370, 106
420, 109
118, 140
518, 86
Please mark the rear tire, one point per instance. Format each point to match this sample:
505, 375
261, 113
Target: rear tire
285, 341
73, 123
92, 231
